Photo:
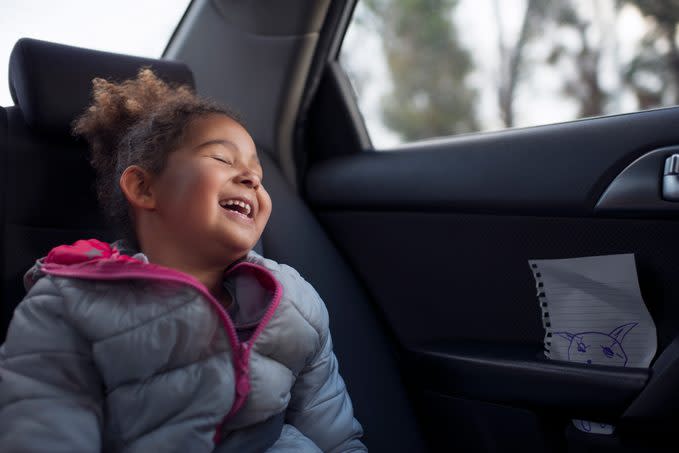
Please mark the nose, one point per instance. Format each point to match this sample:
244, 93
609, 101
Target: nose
248, 179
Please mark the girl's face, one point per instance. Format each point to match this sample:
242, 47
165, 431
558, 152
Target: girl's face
210, 196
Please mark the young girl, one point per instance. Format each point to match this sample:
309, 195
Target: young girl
179, 338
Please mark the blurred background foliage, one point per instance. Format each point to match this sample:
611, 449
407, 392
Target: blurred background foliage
429, 66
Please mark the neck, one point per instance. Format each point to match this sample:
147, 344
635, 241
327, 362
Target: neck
210, 275
206, 263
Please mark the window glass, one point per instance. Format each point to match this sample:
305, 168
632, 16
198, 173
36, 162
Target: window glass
132, 27
431, 68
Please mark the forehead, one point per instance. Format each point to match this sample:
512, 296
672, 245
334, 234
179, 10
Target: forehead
219, 128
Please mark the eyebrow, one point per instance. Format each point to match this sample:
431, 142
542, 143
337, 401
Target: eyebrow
229, 144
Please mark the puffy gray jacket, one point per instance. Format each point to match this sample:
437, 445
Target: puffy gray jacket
110, 353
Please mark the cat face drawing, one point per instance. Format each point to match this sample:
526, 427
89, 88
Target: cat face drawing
598, 348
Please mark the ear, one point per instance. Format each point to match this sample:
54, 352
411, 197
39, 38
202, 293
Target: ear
619, 332
135, 182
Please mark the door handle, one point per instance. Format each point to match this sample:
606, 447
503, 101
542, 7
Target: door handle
670, 179
640, 188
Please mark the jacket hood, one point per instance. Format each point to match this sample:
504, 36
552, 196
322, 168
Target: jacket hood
82, 252
92, 253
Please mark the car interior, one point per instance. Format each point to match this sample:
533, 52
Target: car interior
420, 254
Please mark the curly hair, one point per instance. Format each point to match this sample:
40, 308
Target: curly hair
136, 122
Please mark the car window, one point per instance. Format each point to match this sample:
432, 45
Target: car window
132, 27
431, 68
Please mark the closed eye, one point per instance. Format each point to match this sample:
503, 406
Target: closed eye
223, 160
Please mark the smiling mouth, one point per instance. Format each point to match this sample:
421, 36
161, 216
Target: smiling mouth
239, 206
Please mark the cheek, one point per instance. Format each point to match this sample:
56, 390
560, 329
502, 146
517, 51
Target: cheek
184, 191
264, 206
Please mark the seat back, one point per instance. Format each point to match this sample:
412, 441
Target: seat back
368, 359
47, 182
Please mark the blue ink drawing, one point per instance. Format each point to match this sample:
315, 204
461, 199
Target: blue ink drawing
587, 426
598, 348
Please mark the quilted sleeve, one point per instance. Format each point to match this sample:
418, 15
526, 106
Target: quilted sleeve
320, 407
50, 391
292, 441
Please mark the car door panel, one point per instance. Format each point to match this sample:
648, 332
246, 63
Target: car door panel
557, 169
445, 275
472, 370
441, 232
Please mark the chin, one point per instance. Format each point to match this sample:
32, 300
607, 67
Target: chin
231, 244
239, 249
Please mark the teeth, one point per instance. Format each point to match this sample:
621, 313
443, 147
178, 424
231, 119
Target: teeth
242, 204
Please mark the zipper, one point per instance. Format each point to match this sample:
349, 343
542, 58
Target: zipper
245, 347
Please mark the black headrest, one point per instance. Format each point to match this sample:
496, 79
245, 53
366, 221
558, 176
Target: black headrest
51, 83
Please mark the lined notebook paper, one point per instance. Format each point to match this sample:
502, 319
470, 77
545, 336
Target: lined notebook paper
593, 313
